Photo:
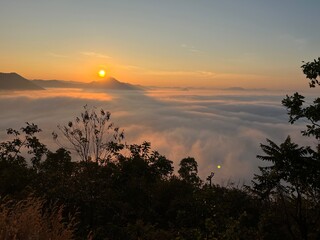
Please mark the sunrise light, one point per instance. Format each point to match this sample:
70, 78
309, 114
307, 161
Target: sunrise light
102, 73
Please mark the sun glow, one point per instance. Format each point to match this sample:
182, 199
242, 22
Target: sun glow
102, 73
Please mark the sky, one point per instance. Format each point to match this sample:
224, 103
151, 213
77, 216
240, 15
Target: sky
206, 43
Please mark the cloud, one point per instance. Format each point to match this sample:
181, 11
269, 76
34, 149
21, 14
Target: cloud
57, 55
95, 54
297, 42
196, 74
207, 74
229, 78
131, 67
190, 48
170, 73
215, 127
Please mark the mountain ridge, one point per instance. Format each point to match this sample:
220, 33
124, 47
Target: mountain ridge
112, 83
14, 81
109, 83
58, 83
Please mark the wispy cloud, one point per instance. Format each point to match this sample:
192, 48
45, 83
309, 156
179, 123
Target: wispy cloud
298, 42
196, 74
170, 73
95, 54
208, 74
190, 48
204, 74
56, 55
131, 67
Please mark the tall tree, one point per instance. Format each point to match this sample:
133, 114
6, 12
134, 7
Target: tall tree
92, 136
292, 181
189, 171
12, 150
296, 107
16, 154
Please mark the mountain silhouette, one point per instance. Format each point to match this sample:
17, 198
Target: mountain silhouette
58, 84
13, 81
112, 83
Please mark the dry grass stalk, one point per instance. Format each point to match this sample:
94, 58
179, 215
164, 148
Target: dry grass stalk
27, 219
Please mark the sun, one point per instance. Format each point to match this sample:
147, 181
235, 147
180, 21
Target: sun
102, 73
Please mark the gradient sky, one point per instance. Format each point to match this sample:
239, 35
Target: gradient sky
247, 43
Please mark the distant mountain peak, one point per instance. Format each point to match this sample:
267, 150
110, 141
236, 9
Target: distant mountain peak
12, 74
106, 80
14, 81
111, 83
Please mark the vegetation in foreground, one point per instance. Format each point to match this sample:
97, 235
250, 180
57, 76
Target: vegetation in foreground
119, 191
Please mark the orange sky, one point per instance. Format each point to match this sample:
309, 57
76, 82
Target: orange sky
246, 44
86, 67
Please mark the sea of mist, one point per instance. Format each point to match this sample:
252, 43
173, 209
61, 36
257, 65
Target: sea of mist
216, 127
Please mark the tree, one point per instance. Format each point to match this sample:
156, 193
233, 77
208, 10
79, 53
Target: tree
291, 181
15, 174
55, 174
12, 150
312, 71
160, 165
92, 136
291, 184
295, 104
189, 170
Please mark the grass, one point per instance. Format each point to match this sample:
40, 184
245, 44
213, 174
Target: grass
30, 219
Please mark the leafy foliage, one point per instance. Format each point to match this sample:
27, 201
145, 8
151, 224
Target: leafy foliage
312, 71
292, 166
297, 110
11, 151
295, 103
291, 184
189, 171
14, 172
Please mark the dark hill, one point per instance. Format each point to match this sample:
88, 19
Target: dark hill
112, 83
13, 81
58, 84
